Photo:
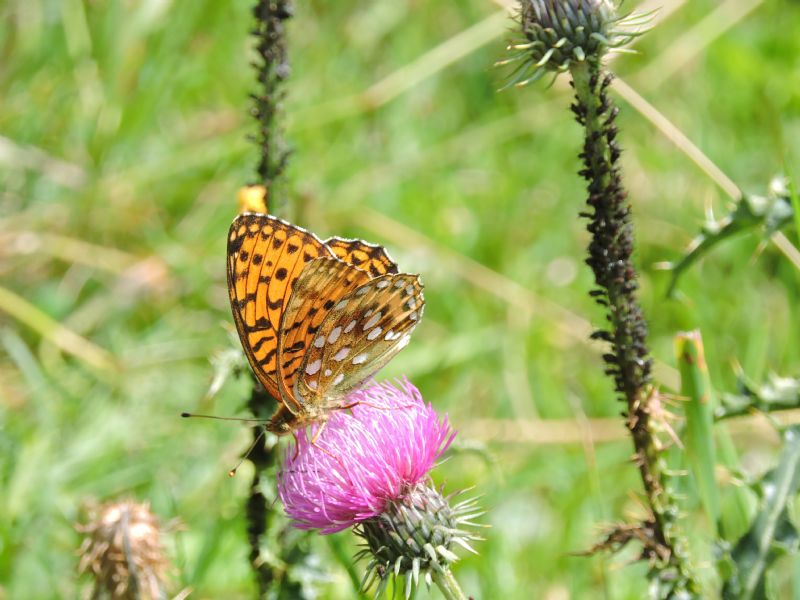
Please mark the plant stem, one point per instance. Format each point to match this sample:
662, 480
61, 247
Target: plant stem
448, 585
610, 252
272, 70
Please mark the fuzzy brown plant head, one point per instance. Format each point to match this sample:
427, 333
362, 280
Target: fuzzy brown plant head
123, 552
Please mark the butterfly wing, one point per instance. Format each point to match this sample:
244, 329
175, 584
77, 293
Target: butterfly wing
322, 284
265, 256
368, 257
360, 334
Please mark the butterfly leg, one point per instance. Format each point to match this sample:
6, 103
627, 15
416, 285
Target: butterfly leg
362, 403
314, 443
318, 433
296, 446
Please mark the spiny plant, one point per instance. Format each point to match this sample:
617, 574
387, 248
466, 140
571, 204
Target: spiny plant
575, 37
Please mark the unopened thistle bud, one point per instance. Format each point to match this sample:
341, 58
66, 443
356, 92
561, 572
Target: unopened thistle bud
556, 34
123, 552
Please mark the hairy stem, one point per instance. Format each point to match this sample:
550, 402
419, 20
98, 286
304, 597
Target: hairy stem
610, 250
272, 69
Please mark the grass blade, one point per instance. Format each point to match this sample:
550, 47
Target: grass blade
699, 406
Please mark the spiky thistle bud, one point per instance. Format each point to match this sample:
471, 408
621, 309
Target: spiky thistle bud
555, 34
415, 536
123, 552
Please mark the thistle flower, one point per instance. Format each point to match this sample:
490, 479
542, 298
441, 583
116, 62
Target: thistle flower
556, 34
123, 552
369, 469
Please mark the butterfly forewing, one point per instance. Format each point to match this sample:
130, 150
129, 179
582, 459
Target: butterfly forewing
265, 255
360, 334
368, 257
321, 285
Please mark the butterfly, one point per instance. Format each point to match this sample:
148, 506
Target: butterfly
316, 319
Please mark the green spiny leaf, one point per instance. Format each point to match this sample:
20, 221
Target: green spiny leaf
770, 213
772, 533
778, 393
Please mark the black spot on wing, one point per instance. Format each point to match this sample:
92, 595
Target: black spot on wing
266, 360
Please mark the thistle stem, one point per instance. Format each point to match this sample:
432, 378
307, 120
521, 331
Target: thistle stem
447, 584
272, 69
610, 251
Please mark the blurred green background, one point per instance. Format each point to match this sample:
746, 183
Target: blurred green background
123, 131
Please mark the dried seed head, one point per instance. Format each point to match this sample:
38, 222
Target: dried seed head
123, 552
556, 34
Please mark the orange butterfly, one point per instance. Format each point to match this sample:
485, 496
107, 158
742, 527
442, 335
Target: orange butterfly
316, 319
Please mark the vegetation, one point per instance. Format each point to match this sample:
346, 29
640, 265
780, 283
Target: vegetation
123, 140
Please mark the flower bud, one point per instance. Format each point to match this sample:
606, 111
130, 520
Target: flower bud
556, 34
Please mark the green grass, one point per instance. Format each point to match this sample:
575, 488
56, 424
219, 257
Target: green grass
124, 125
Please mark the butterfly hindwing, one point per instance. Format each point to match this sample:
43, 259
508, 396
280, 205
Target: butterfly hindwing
360, 334
265, 255
368, 257
322, 284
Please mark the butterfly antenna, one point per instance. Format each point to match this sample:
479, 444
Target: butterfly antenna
232, 472
187, 415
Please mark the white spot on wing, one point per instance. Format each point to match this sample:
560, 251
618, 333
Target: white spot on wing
342, 304
413, 315
398, 284
410, 290
312, 384
338, 379
361, 358
391, 335
313, 367
361, 291
350, 326
383, 283
341, 354
373, 321
334, 335
374, 333
328, 373
404, 342
320, 341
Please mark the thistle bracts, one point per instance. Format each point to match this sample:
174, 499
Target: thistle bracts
414, 537
557, 34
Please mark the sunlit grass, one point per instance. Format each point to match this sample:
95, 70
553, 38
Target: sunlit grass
123, 125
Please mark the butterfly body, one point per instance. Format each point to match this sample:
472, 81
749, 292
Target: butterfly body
316, 319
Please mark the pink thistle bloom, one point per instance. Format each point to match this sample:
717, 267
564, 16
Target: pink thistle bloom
367, 456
